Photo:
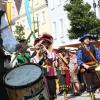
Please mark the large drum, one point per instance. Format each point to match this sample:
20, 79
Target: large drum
26, 83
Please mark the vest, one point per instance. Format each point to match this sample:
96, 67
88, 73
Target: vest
86, 57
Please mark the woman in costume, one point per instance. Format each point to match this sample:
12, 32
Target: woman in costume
63, 72
87, 56
74, 68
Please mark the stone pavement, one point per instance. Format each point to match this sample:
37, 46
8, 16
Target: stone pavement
84, 96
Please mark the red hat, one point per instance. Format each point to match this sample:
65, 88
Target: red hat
47, 37
37, 40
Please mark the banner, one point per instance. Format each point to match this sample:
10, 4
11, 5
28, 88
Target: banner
18, 5
28, 14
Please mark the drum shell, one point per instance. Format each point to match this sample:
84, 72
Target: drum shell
31, 92
97, 69
91, 80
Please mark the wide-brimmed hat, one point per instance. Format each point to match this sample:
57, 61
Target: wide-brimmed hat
73, 50
83, 37
47, 38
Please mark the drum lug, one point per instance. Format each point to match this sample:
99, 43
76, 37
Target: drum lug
41, 97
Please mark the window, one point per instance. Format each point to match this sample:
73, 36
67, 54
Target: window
52, 4
54, 29
59, 2
43, 17
99, 3
36, 2
36, 21
61, 27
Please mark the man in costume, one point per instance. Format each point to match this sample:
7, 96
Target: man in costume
9, 43
36, 56
87, 56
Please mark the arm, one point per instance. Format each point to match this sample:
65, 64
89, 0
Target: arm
63, 58
97, 53
79, 59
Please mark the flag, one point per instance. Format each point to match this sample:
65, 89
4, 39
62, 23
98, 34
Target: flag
28, 14
18, 5
8, 11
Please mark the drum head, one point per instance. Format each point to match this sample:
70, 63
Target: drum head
23, 75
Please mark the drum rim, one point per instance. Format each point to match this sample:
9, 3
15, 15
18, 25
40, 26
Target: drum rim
26, 85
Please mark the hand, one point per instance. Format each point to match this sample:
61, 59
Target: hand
60, 55
86, 66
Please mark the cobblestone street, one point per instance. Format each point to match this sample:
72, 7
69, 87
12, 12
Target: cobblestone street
84, 96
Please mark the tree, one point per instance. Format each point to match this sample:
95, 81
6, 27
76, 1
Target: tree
19, 32
82, 19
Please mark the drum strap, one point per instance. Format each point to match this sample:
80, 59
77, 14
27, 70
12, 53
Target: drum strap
91, 54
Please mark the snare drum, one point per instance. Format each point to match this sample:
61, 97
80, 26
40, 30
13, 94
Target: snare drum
26, 83
97, 69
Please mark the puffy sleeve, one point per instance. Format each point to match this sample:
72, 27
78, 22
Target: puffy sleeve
79, 57
97, 51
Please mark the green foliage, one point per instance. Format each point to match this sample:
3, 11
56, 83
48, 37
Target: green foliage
19, 32
82, 20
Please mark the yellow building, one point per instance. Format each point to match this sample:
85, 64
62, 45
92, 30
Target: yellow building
39, 14
41, 17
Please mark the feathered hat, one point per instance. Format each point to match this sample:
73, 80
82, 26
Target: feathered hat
84, 36
47, 38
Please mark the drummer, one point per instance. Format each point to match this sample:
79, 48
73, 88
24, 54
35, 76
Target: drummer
8, 43
87, 55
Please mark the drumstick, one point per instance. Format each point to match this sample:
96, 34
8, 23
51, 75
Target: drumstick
23, 47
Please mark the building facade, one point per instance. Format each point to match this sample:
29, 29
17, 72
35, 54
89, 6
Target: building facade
59, 22
41, 18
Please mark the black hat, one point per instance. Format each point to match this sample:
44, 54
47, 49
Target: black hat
83, 37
